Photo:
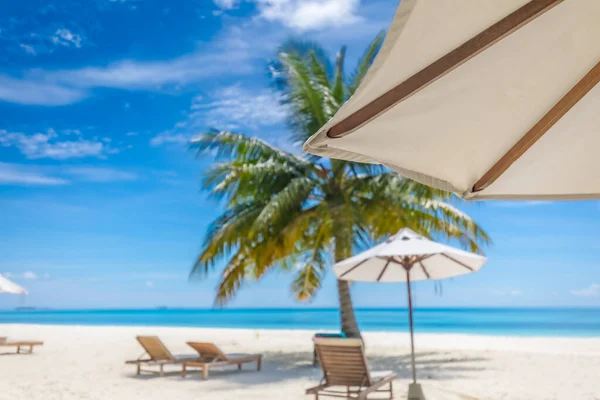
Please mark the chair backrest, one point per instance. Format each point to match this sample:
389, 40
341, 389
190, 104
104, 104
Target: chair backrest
343, 362
155, 348
208, 351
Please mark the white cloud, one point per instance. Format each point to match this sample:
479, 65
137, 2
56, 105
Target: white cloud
240, 49
226, 4
47, 145
169, 138
65, 37
235, 106
25, 275
75, 132
36, 175
306, 15
30, 275
151, 75
149, 284
97, 174
592, 290
34, 92
508, 292
132, 133
244, 46
229, 108
27, 48
15, 174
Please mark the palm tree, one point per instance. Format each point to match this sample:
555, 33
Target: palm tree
289, 212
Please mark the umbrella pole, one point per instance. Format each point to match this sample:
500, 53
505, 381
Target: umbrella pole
410, 318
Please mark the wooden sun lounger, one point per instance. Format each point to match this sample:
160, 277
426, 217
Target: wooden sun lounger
157, 354
211, 357
344, 365
23, 346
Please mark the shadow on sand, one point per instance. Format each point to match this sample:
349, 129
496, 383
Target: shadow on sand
281, 367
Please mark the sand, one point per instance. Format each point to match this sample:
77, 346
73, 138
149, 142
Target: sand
82, 362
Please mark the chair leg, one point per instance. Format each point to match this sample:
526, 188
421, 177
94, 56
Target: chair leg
162, 370
205, 372
183, 371
18, 349
139, 369
239, 367
259, 364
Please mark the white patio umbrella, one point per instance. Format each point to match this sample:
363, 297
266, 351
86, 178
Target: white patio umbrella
408, 257
485, 98
8, 286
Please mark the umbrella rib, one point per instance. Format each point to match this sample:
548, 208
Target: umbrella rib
384, 268
353, 268
444, 65
392, 259
456, 261
424, 270
568, 101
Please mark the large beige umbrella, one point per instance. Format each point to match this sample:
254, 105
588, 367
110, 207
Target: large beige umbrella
490, 99
408, 257
8, 286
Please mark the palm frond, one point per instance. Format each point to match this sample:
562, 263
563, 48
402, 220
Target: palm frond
312, 273
225, 235
229, 145
339, 87
287, 201
239, 180
232, 279
365, 62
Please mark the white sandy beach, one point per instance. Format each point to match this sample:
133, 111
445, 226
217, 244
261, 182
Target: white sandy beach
82, 362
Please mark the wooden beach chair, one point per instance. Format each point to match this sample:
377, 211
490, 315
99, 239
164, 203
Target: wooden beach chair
212, 357
344, 365
22, 346
157, 354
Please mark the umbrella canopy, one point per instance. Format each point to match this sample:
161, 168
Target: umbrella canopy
408, 255
405, 257
8, 286
488, 99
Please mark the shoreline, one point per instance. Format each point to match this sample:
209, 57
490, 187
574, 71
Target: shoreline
418, 332
438, 340
78, 361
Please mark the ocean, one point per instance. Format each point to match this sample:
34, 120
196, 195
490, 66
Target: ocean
488, 321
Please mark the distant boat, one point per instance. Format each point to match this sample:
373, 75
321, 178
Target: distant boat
29, 308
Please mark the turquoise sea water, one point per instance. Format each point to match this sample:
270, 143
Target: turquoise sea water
519, 322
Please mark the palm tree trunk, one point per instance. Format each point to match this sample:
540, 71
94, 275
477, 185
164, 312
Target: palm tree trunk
343, 250
348, 319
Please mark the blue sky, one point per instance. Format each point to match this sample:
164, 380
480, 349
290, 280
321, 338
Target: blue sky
100, 203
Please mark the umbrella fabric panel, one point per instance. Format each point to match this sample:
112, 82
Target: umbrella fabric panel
564, 160
8, 286
384, 270
450, 133
366, 270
